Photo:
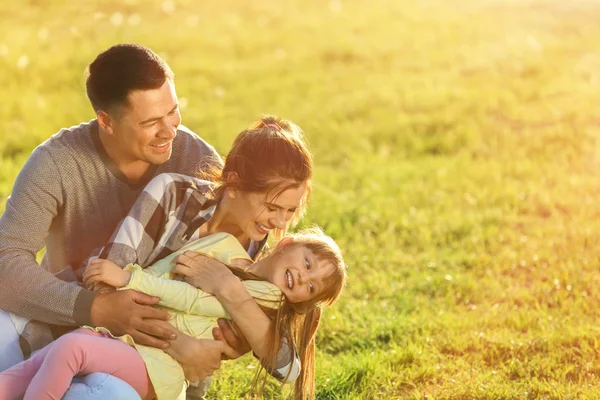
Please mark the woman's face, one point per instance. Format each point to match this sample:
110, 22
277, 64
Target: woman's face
256, 214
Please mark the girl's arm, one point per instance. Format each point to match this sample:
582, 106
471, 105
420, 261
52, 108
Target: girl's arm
177, 295
105, 272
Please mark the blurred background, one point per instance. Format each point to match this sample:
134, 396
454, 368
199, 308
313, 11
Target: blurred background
456, 145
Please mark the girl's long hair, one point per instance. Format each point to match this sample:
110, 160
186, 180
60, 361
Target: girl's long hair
298, 323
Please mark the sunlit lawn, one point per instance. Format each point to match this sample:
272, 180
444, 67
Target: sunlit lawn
457, 154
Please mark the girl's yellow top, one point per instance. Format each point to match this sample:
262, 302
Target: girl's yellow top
192, 311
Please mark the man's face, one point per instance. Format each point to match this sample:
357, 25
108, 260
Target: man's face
147, 124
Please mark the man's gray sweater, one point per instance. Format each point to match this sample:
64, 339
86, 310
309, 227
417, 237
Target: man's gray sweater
70, 197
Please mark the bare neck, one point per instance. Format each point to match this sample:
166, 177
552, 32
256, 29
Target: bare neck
134, 170
221, 221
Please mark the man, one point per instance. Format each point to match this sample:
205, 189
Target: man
74, 190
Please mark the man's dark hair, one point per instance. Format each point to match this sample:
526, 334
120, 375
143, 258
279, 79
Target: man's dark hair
122, 69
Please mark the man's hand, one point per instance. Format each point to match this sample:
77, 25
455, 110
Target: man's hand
237, 342
202, 271
199, 357
128, 312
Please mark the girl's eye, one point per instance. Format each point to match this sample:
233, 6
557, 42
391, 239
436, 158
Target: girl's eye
307, 263
271, 209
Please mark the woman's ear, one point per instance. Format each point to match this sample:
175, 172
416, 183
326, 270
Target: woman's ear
232, 181
232, 178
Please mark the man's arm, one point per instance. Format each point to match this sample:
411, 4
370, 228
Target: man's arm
25, 288
28, 290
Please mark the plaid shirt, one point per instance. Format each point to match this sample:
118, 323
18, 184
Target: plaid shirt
167, 215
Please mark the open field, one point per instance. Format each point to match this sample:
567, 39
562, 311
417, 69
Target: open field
457, 149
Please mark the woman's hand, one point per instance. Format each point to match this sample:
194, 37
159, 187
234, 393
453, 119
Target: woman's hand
211, 275
202, 271
199, 358
104, 271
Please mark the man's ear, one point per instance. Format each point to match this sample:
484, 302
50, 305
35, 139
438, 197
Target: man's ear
105, 121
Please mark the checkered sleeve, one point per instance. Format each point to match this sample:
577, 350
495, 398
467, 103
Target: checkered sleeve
287, 365
157, 222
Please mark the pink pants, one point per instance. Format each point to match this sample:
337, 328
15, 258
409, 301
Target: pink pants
48, 373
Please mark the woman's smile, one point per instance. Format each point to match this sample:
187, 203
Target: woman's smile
263, 230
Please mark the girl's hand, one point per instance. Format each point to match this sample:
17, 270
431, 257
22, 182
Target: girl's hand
202, 271
104, 271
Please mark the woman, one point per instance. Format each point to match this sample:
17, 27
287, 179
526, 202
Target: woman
263, 187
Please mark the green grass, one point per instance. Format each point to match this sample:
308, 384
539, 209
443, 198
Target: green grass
457, 150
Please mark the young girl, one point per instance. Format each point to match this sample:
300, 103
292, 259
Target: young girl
303, 273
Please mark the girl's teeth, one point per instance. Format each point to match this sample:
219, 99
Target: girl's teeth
289, 278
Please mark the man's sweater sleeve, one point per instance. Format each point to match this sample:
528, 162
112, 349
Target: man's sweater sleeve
27, 289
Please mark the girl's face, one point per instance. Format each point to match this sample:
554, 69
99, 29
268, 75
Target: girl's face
296, 271
256, 214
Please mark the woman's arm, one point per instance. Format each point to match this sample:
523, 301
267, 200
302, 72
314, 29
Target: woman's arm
199, 358
237, 299
245, 312
214, 277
